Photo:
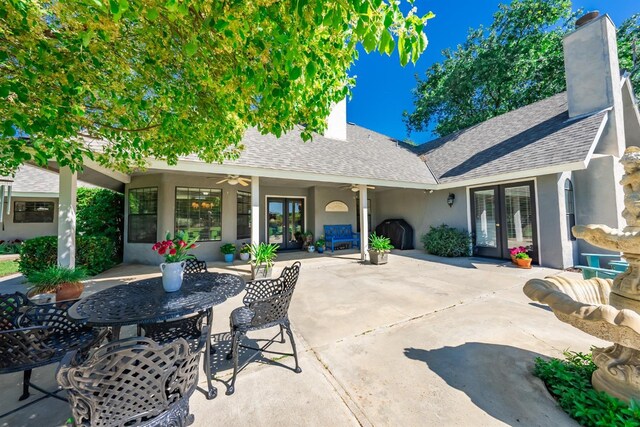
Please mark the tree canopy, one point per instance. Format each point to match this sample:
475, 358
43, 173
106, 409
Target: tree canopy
166, 78
515, 61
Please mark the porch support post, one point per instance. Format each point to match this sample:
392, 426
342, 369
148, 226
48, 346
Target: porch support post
255, 210
67, 217
364, 222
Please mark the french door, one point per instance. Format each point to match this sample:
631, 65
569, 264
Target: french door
285, 222
503, 217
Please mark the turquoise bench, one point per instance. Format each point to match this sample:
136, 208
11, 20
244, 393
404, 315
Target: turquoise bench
340, 234
601, 273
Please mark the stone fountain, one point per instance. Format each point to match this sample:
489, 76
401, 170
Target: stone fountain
604, 308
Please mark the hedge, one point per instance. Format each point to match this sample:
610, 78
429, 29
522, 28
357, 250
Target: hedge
447, 241
100, 212
95, 253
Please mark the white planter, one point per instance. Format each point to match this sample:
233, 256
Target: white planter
172, 275
245, 256
260, 272
378, 258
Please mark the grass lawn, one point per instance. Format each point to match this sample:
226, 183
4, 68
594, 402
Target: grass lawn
8, 267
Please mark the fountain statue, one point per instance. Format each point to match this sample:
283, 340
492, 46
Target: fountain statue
604, 308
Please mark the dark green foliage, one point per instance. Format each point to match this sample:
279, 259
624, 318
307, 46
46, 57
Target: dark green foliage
447, 241
569, 381
95, 253
51, 278
38, 254
100, 212
514, 62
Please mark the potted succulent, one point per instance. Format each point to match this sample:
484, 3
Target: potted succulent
515, 251
523, 260
379, 248
175, 252
320, 245
245, 252
64, 282
229, 251
262, 257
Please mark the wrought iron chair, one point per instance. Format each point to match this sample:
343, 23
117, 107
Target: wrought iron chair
194, 265
266, 304
133, 381
38, 335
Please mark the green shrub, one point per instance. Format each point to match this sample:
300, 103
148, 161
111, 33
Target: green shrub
569, 381
95, 253
447, 241
100, 212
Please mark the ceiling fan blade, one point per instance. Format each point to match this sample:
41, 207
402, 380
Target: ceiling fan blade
370, 187
243, 183
222, 181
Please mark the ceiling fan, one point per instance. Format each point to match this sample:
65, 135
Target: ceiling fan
235, 180
355, 189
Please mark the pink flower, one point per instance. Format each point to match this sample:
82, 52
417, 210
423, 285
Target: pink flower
182, 243
156, 247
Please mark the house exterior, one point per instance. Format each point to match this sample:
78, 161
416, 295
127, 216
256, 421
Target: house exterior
520, 179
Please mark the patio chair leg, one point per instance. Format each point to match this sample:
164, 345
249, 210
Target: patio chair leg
26, 381
293, 346
234, 352
281, 334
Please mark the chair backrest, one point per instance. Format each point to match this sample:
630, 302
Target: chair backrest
341, 230
25, 348
11, 308
132, 381
194, 265
274, 305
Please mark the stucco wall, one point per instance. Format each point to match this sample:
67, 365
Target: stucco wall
324, 195
599, 197
555, 247
422, 209
10, 230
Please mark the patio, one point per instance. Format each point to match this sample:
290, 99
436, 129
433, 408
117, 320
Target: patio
419, 341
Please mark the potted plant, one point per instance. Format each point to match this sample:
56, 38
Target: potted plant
175, 252
307, 241
515, 251
379, 248
262, 257
523, 260
320, 244
245, 252
64, 282
229, 251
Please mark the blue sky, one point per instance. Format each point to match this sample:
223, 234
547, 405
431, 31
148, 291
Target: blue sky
383, 87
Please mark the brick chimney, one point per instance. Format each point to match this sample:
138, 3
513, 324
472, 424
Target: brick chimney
337, 122
593, 77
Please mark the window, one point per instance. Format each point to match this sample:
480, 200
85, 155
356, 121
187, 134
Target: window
199, 211
33, 212
244, 215
143, 215
569, 207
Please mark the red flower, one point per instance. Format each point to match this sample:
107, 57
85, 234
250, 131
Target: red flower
172, 252
193, 245
156, 247
182, 243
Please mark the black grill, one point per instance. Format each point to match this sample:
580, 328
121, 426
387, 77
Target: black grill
399, 231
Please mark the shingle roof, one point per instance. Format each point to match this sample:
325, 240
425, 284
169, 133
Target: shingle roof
535, 136
31, 179
365, 154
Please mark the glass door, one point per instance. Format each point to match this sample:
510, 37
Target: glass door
486, 221
285, 222
503, 217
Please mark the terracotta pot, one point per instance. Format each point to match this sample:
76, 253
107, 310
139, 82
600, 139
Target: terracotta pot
513, 259
523, 262
69, 291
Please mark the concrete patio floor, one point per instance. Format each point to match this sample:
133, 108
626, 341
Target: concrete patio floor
419, 341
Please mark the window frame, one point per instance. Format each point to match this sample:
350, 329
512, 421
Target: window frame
34, 202
238, 214
175, 208
570, 207
129, 214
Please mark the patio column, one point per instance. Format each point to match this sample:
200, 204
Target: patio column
364, 222
255, 210
67, 217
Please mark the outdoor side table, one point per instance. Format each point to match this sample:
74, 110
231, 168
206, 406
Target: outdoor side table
145, 302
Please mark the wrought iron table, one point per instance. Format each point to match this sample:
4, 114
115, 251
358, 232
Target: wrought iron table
145, 302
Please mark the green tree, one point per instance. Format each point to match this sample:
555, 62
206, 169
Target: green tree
165, 78
515, 61
100, 212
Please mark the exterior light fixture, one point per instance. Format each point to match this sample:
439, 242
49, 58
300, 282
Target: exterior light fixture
451, 199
